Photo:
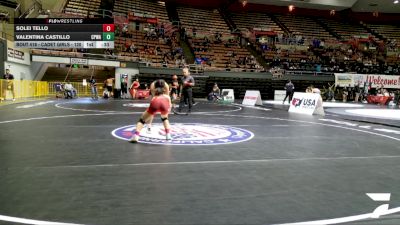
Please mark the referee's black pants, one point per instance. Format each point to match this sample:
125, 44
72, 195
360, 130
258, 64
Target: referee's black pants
187, 96
290, 95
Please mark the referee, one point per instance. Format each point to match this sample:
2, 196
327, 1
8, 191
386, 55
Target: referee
186, 93
289, 87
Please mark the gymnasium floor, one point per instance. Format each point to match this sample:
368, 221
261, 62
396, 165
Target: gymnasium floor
67, 161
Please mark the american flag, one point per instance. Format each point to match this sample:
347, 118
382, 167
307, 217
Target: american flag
120, 21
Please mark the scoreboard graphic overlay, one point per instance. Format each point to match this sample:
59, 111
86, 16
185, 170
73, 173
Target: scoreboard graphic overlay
64, 33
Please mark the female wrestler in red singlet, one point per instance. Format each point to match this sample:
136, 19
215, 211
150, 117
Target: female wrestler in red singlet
161, 103
135, 86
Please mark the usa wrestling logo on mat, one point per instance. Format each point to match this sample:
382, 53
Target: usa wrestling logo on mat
187, 134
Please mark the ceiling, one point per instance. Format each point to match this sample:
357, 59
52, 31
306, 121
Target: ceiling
383, 6
200, 3
311, 4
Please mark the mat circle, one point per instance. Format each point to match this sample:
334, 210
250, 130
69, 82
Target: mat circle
187, 134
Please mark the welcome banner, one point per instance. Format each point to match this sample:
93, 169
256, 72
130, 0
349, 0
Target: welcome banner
376, 80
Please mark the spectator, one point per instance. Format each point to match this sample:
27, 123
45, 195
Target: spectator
109, 85
162, 30
345, 94
70, 91
397, 97
158, 49
125, 31
133, 48
214, 94
177, 62
198, 60
93, 87
124, 87
7, 84
59, 89
331, 92
194, 31
357, 92
127, 46
164, 64
146, 49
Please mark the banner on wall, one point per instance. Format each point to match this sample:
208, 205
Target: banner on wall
140, 17
79, 61
13, 53
376, 80
10, 52
264, 31
20, 56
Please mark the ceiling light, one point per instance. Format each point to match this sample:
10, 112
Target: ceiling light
395, 2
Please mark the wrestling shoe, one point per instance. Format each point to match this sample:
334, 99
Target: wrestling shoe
168, 137
134, 139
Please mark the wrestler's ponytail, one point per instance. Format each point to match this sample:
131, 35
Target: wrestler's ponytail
159, 91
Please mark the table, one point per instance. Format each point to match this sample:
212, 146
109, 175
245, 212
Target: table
381, 100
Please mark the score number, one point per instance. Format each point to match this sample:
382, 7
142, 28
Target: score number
108, 32
108, 28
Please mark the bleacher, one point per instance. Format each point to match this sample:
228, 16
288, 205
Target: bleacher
148, 8
392, 59
387, 31
64, 52
82, 8
146, 47
294, 56
250, 20
202, 19
346, 30
211, 39
221, 56
155, 58
305, 27
222, 53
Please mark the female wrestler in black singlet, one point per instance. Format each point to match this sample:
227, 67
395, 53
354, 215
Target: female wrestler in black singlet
174, 90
